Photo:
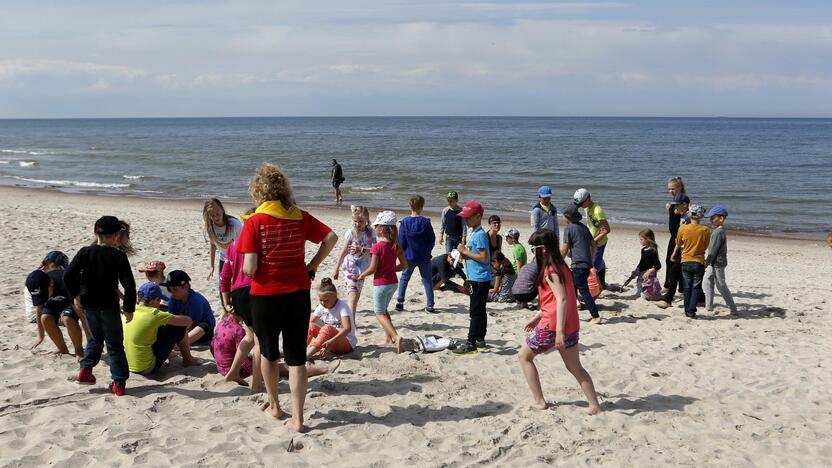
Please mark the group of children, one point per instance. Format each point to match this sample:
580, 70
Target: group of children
84, 294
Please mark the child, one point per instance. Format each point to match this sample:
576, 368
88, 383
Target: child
220, 230
598, 226
154, 272
692, 241
518, 252
716, 261
51, 301
443, 267
226, 346
416, 238
478, 270
337, 336
580, 246
235, 288
453, 230
647, 281
186, 301
495, 240
355, 257
557, 324
151, 335
92, 279
383, 267
504, 276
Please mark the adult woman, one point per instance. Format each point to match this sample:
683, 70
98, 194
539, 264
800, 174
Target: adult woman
675, 186
272, 243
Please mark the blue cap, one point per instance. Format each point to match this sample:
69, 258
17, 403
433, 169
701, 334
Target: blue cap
680, 198
717, 211
149, 291
57, 257
544, 192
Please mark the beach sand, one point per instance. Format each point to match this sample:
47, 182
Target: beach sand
753, 389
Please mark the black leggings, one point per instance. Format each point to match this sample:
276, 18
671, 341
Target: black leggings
282, 314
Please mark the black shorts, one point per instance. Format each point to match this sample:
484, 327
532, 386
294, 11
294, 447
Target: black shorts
209, 333
241, 300
57, 313
282, 314
337, 183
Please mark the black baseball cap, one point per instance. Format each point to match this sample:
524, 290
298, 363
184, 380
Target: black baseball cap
108, 225
571, 213
176, 278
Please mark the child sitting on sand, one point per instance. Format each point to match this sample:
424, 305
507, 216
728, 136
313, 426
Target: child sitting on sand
383, 267
504, 276
154, 272
337, 335
557, 324
518, 252
355, 256
646, 272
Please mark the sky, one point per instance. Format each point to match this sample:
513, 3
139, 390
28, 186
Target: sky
753, 58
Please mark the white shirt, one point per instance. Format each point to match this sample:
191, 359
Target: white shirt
226, 235
333, 317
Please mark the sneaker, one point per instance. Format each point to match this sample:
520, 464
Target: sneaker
465, 348
117, 388
399, 307
430, 309
481, 346
85, 377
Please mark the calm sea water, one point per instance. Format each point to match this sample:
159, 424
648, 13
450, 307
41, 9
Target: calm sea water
773, 175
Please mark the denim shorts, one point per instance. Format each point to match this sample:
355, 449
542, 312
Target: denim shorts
382, 295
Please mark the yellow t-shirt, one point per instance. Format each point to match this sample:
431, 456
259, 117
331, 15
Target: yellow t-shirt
594, 217
694, 239
140, 334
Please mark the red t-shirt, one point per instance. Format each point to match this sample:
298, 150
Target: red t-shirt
280, 248
386, 268
549, 303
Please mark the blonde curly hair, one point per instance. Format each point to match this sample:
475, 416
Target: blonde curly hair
269, 183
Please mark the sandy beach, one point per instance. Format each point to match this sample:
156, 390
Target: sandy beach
745, 390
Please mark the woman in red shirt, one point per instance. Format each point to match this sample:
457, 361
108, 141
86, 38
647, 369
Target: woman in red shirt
556, 325
272, 242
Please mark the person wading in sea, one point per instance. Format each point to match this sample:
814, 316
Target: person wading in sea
337, 178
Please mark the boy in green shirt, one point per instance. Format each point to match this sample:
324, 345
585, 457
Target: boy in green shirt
151, 335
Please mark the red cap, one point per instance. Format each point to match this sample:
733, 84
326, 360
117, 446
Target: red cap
153, 265
470, 209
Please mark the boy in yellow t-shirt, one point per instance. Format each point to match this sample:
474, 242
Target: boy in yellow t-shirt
692, 241
151, 335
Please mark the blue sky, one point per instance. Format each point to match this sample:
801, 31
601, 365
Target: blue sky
362, 57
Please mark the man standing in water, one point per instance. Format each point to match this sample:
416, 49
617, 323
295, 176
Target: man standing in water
337, 178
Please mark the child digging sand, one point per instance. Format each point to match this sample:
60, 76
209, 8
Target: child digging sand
337, 335
383, 267
557, 324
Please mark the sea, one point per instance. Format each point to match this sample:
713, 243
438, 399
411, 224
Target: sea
772, 175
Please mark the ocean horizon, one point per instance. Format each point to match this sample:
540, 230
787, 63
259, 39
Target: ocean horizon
771, 173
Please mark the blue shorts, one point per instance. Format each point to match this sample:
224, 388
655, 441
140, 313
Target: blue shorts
382, 295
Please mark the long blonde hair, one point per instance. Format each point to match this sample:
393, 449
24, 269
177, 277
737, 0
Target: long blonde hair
678, 182
207, 208
362, 211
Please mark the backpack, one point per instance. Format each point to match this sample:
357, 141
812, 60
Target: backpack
525, 287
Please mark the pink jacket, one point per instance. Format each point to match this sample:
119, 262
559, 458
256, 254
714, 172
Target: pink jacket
232, 277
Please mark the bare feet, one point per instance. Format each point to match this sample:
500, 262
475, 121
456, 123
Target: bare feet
296, 425
273, 411
237, 380
662, 305
596, 321
540, 405
258, 389
592, 410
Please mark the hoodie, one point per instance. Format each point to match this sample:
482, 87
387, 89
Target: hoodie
416, 238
